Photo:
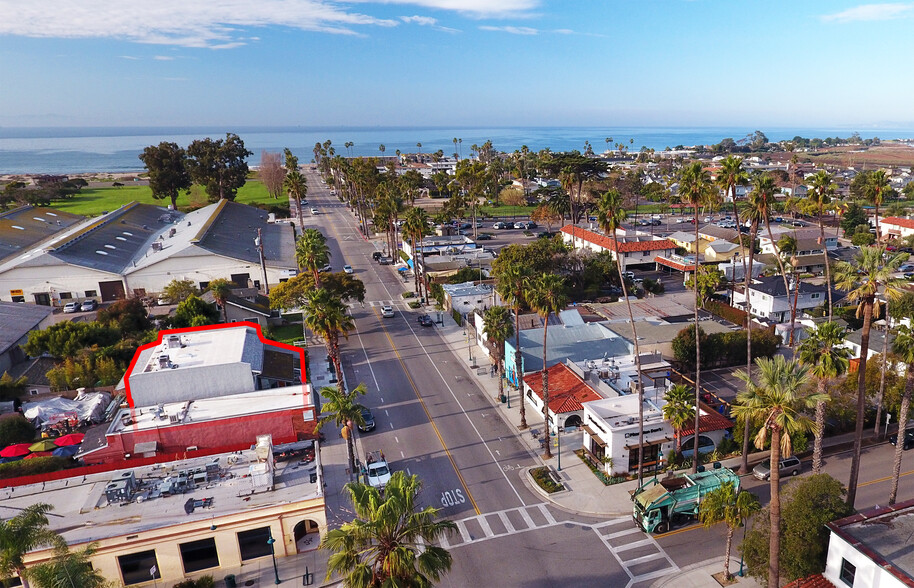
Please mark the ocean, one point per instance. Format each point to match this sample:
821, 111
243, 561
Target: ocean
71, 150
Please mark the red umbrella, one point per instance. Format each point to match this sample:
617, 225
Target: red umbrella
71, 439
39, 454
17, 450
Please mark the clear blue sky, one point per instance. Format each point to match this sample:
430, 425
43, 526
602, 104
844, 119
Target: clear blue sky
797, 63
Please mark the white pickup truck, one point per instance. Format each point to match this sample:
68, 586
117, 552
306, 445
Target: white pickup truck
377, 472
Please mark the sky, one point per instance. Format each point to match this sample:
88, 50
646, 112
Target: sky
312, 63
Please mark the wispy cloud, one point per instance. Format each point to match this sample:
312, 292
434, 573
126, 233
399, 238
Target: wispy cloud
163, 58
474, 8
130, 57
511, 29
215, 24
871, 12
427, 21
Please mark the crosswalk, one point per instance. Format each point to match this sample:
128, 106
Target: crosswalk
639, 555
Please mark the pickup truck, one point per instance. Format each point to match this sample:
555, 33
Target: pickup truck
377, 472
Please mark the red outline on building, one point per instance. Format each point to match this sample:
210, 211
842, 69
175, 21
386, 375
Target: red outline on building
264, 340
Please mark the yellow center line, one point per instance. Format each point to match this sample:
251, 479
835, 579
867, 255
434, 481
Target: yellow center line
427, 414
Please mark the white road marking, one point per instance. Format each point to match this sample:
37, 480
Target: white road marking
397, 439
485, 526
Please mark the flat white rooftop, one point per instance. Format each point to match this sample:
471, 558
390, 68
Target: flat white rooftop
204, 348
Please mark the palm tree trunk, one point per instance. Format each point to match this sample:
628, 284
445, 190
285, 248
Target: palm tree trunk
727, 575
819, 429
827, 263
351, 447
885, 350
878, 234
517, 369
774, 542
548, 436
499, 369
861, 401
337, 366
301, 217
695, 456
902, 428
777, 255
753, 234
793, 308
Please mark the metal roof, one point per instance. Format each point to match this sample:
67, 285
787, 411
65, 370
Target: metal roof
17, 319
25, 227
231, 231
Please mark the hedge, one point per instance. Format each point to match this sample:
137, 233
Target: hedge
29, 467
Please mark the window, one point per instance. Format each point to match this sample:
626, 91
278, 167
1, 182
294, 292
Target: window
848, 571
253, 543
135, 568
91, 293
645, 253
66, 295
199, 555
816, 295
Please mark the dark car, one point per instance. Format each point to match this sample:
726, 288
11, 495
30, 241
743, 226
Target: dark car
545, 234
484, 237
369, 420
425, 320
908, 439
376, 255
531, 225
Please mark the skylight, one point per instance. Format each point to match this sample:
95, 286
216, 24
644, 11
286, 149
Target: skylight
18, 227
101, 252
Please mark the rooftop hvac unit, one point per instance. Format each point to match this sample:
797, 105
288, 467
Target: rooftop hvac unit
173, 418
164, 361
173, 341
171, 232
156, 245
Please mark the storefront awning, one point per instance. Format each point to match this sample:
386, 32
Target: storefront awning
649, 443
594, 436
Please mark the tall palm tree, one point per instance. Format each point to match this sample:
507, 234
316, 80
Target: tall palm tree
415, 226
827, 358
788, 250
776, 399
610, 214
498, 327
312, 253
731, 507
546, 295
69, 569
904, 347
822, 191
870, 273
765, 190
511, 285
343, 409
296, 185
325, 314
21, 533
392, 540
696, 189
221, 289
875, 189
679, 410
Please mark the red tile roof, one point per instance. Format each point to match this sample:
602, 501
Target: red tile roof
566, 389
624, 246
674, 264
710, 420
905, 223
815, 581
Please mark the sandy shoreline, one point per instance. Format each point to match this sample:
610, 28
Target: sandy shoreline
94, 178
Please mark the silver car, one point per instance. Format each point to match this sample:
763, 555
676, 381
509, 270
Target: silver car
387, 311
789, 466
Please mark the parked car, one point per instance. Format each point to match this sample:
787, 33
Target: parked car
530, 225
163, 300
89, 305
71, 307
425, 320
499, 225
909, 275
385, 260
789, 466
656, 222
908, 439
387, 311
348, 269
545, 234
369, 420
326, 268
376, 255
520, 225
484, 237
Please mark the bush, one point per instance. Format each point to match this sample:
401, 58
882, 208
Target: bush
202, 582
544, 480
863, 239
727, 312
29, 467
722, 349
458, 318
15, 428
408, 294
414, 304
653, 286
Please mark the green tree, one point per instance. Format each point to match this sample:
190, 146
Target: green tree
904, 347
69, 569
696, 189
392, 540
15, 428
312, 252
511, 285
827, 358
871, 273
679, 410
765, 189
195, 312
20, 534
775, 399
221, 290
67, 339
11, 387
343, 409
875, 190
294, 292
415, 227
129, 316
710, 280
610, 214
546, 295
219, 165
327, 317
731, 507
854, 216
822, 190
296, 185
178, 290
168, 171
498, 327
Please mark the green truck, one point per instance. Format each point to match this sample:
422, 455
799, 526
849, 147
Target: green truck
658, 502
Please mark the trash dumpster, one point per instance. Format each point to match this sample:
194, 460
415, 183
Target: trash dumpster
230, 581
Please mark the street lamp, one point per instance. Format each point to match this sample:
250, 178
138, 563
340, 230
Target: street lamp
270, 542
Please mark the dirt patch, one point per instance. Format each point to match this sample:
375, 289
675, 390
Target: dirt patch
719, 576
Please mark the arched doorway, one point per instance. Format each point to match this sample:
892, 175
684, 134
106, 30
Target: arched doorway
573, 421
307, 535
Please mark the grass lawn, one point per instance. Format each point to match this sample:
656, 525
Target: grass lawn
285, 334
507, 210
95, 201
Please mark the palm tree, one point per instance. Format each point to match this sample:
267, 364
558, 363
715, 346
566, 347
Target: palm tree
679, 410
511, 285
822, 191
415, 226
787, 248
875, 189
221, 289
870, 273
695, 189
498, 327
296, 185
325, 314
343, 409
25, 531
775, 399
69, 569
546, 295
312, 253
727, 505
391, 542
730, 176
823, 352
610, 214
904, 347
765, 190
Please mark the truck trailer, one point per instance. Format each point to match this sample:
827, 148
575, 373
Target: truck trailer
658, 502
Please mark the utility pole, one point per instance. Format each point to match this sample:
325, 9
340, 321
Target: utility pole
258, 242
